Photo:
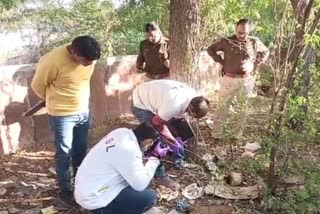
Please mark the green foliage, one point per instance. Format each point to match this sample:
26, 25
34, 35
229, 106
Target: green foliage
304, 199
8, 4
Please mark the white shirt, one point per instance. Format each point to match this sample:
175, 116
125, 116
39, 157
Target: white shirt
110, 166
167, 98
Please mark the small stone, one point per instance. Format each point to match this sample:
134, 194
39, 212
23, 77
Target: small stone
252, 147
234, 179
3, 191
4, 212
211, 166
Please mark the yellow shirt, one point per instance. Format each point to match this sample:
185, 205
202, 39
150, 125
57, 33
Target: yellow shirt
62, 82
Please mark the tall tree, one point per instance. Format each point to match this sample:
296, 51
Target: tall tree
184, 31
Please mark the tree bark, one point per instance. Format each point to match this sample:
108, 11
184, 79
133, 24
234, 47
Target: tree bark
184, 31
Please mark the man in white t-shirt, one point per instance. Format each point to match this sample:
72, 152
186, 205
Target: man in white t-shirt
158, 101
113, 178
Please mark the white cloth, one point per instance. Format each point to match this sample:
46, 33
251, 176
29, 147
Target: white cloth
167, 98
110, 166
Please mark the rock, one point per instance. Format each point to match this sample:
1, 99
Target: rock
193, 191
4, 212
234, 179
211, 166
252, 147
13, 210
236, 193
3, 191
298, 180
247, 155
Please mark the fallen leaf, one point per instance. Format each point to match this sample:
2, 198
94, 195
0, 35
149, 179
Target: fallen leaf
166, 193
207, 157
193, 191
252, 147
49, 210
225, 191
3, 191
299, 180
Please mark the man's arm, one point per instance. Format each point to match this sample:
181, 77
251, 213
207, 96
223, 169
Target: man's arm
160, 125
134, 171
262, 53
45, 73
140, 59
213, 49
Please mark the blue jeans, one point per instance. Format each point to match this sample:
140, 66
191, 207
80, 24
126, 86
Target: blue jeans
129, 201
145, 116
71, 140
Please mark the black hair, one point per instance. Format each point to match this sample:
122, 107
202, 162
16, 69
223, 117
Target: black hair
151, 26
244, 21
196, 103
145, 131
87, 47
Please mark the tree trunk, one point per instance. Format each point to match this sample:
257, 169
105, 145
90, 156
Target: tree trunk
184, 31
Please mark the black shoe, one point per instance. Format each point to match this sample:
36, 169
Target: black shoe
66, 200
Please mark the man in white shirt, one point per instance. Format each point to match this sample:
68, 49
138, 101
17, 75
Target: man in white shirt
113, 178
158, 101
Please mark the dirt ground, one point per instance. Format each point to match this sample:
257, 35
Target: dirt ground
27, 178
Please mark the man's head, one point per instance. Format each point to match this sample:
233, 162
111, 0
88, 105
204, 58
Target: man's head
146, 135
243, 29
198, 107
85, 50
153, 32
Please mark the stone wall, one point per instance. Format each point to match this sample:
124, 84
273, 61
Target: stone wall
111, 86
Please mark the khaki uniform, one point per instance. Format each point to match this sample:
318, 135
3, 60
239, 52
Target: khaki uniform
239, 59
151, 59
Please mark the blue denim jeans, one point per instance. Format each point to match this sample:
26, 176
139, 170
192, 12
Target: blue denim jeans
129, 201
71, 140
145, 116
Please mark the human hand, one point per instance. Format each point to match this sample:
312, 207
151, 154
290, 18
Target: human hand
177, 145
160, 151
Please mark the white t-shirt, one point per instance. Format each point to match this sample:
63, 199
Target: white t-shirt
167, 98
110, 166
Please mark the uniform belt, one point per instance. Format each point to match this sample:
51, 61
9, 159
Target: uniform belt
157, 76
237, 75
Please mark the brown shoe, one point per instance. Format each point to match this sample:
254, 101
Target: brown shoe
166, 182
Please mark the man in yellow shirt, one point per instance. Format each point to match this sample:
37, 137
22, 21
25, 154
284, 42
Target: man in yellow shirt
62, 79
